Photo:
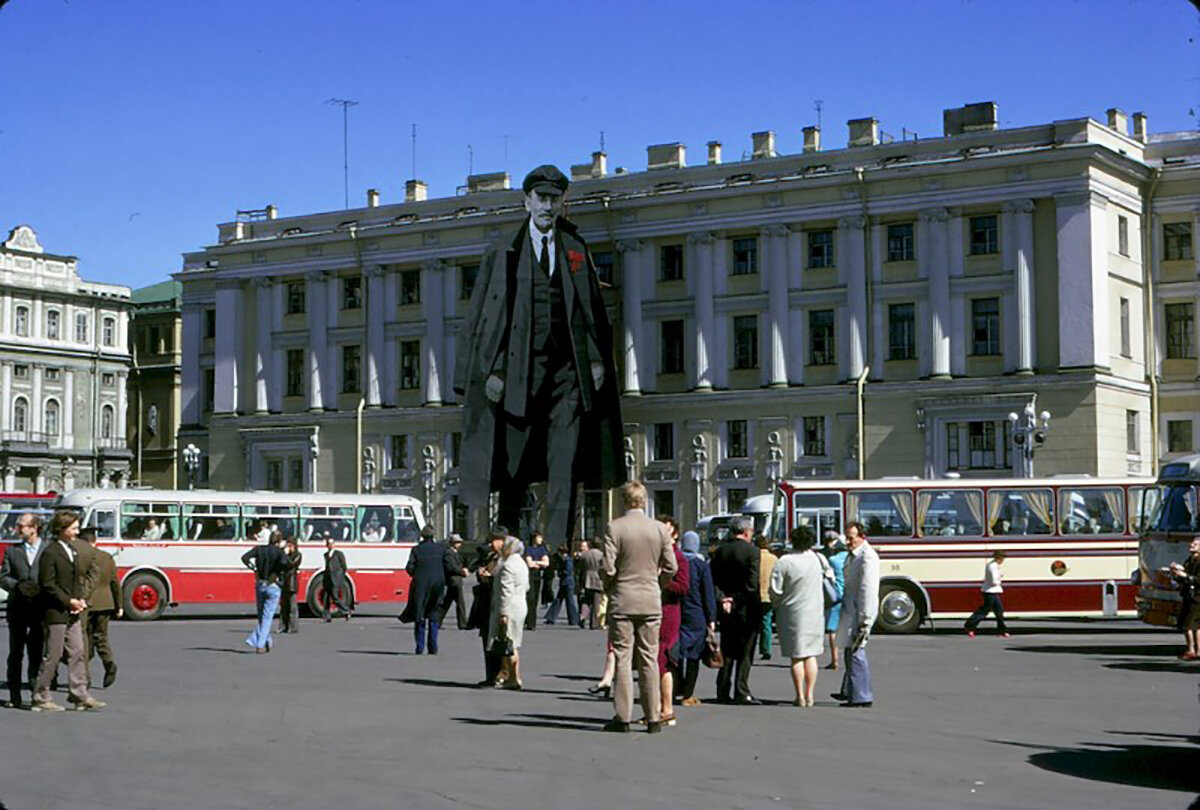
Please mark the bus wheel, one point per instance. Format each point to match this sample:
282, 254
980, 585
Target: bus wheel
145, 597
900, 609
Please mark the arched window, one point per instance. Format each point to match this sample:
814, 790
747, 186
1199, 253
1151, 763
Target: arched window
52, 323
21, 322
106, 422
50, 419
20, 417
109, 332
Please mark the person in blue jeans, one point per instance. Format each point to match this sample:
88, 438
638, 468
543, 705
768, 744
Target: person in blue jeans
564, 567
268, 562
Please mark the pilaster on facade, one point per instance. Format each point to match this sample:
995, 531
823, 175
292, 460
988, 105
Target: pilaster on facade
228, 346
701, 245
1083, 324
775, 263
377, 316
433, 308
263, 354
853, 265
1017, 230
933, 232
318, 372
193, 335
633, 264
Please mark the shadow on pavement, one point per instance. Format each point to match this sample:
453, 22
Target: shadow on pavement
375, 652
1164, 767
234, 650
557, 721
591, 678
463, 685
1156, 666
1163, 650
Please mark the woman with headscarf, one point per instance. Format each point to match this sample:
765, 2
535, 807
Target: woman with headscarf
698, 616
509, 606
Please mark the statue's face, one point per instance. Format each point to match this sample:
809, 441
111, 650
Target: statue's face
543, 208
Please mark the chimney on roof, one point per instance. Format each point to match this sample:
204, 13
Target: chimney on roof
1118, 120
599, 164
969, 118
272, 212
1139, 127
372, 198
589, 171
863, 131
812, 139
490, 181
764, 145
714, 153
666, 156
415, 191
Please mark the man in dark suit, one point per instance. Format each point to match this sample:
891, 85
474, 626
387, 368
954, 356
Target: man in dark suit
735, 574
104, 602
429, 567
19, 576
535, 368
67, 572
456, 572
334, 582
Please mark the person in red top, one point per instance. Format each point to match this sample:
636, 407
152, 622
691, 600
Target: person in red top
673, 594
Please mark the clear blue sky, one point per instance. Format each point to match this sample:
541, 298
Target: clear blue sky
130, 128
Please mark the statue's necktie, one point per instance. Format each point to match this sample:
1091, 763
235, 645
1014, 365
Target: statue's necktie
544, 261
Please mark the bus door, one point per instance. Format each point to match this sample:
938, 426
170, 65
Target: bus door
817, 512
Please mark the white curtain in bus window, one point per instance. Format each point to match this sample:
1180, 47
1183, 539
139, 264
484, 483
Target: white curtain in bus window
262, 519
211, 521
375, 524
950, 512
321, 523
141, 520
1021, 511
407, 530
883, 514
1093, 510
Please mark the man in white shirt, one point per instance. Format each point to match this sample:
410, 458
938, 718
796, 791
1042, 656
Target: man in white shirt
19, 577
992, 588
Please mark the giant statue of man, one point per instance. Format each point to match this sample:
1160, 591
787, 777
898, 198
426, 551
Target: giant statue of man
535, 368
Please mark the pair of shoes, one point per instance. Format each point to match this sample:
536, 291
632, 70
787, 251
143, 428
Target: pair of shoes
858, 704
110, 675
838, 696
765, 656
691, 701
831, 666
654, 727
260, 650
88, 704
511, 686
1006, 635
15, 703
617, 725
485, 684
347, 616
605, 690
668, 719
970, 634
747, 700
46, 706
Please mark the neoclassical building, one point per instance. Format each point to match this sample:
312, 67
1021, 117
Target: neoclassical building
64, 366
952, 281
154, 390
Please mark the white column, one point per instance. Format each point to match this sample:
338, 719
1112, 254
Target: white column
775, 244
189, 382
331, 385
263, 322
633, 267
718, 349
68, 409
389, 377
122, 404
935, 266
879, 346
35, 404
278, 366
701, 245
435, 330
1019, 216
317, 304
795, 258
230, 322
376, 317
955, 261
449, 344
852, 257
1082, 281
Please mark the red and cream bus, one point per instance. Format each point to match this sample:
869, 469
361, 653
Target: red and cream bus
1071, 543
1172, 522
177, 547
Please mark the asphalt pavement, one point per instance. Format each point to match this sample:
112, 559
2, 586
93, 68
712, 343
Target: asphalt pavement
1064, 714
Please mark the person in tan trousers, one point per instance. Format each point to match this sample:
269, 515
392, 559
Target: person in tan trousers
638, 560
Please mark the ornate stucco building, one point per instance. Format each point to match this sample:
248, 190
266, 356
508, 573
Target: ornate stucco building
958, 279
64, 365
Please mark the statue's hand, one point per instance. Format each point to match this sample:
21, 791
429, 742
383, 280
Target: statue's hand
494, 388
597, 374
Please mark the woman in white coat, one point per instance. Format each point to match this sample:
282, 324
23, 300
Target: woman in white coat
798, 598
509, 607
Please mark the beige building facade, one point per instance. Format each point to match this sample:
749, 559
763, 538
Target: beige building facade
958, 279
154, 386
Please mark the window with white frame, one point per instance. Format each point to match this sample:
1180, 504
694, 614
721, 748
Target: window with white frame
107, 422
20, 415
81, 327
745, 256
820, 249
1177, 241
1126, 348
53, 324
821, 347
737, 439
985, 237
50, 418
1181, 330
813, 436
1179, 436
398, 457
1133, 438
900, 242
1123, 235
978, 445
662, 444
109, 332
21, 322
985, 326
745, 341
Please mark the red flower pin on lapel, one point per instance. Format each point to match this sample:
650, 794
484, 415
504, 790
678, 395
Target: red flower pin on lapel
576, 259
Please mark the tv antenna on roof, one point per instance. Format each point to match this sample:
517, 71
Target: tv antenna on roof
819, 104
345, 104
414, 151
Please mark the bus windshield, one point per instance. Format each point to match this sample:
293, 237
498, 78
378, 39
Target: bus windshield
1173, 508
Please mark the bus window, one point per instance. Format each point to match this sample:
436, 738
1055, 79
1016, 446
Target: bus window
149, 521
1095, 510
321, 523
216, 521
375, 524
817, 512
950, 512
1176, 508
1138, 509
1021, 511
884, 513
104, 521
262, 519
407, 530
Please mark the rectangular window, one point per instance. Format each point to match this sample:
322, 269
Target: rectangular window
950, 512
814, 435
1021, 511
399, 457
745, 341
1179, 436
210, 389
821, 348
981, 445
351, 373
52, 374
745, 256
210, 323
1133, 439
81, 327
109, 332
455, 449
603, 260
296, 474
664, 442
953, 457
984, 236
887, 513
1126, 350
21, 372
900, 242
671, 361
820, 249
1094, 510
352, 292
670, 263
1123, 235
737, 433
410, 365
470, 272
986, 445
295, 297
664, 503
295, 373
1177, 241
1181, 330
985, 326
735, 499
902, 332
410, 286
52, 323
21, 324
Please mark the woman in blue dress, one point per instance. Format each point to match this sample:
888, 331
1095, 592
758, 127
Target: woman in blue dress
835, 552
698, 616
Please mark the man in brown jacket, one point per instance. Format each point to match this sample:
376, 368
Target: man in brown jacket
637, 561
103, 603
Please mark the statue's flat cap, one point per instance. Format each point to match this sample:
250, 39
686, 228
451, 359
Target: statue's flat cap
547, 180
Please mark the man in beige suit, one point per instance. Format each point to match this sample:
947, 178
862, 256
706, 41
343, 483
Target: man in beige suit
637, 559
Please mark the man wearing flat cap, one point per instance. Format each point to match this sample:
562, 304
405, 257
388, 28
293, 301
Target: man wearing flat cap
535, 368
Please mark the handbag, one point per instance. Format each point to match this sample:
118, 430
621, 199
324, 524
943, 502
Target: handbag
712, 657
832, 597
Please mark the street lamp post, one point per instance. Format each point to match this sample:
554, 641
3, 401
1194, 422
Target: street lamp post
1028, 433
427, 468
699, 471
774, 459
191, 463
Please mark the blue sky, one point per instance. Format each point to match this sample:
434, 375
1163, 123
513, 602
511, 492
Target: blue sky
130, 128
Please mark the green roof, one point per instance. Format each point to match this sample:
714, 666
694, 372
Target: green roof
162, 292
